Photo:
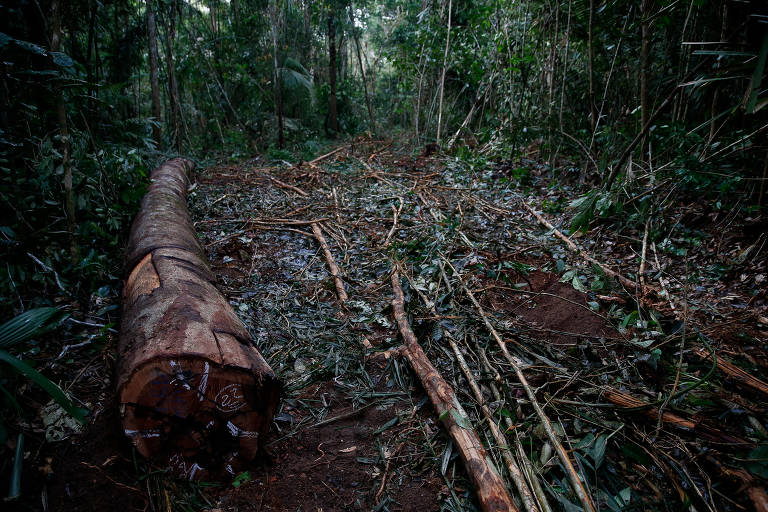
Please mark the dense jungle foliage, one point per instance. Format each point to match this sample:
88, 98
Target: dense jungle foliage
660, 93
632, 102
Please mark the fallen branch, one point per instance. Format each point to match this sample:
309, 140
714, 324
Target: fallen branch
395, 214
331, 153
288, 186
736, 374
334, 269
579, 251
573, 476
631, 404
514, 471
529, 471
491, 492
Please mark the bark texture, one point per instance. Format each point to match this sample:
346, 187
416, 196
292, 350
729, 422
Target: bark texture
193, 389
491, 492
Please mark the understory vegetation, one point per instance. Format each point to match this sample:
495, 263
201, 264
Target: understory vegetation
605, 159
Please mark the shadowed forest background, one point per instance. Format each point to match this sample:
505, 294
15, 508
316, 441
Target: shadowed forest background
642, 118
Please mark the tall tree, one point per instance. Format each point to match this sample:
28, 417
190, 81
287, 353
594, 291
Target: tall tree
173, 86
61, 116
442, 76
645, 46
274, 15
333, 123
154, 79
362, 68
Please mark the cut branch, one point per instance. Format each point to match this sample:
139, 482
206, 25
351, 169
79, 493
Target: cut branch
573, 476
489, 486
736, 374
579, 251
334, 269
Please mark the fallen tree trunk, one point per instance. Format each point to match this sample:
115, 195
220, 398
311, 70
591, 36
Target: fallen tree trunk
193, 389
491, 492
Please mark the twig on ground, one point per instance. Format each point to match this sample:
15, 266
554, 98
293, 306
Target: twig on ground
334, 269
395, 214
579, 251
282, 184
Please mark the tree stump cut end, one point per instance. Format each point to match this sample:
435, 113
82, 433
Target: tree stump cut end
193, 389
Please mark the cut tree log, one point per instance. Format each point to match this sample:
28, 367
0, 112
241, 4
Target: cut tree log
491, 492
194, 392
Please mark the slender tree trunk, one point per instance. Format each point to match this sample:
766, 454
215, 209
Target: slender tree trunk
212, 10
333, 123
153, 74
362, 69
592, 108
306, 45
173, 86
236, 13
442, 76
553, 60
565, 66
716, 93
274, 13
61, 115
645, 9
89, 60
420, 70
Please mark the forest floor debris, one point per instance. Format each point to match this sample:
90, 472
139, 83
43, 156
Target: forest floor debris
629, 392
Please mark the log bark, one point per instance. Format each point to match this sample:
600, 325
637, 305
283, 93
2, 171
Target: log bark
194, 391
491, 492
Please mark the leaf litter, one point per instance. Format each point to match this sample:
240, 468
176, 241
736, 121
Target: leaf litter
656, 393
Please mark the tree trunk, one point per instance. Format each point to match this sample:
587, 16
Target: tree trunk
194, 391
590, 42
362, 69
153, 74
274, 14
442, 76
565, 67
61, 117
173, 86
645, 9
333, 123
91, 54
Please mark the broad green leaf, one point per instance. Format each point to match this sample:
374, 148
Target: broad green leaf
44, 382
27, 325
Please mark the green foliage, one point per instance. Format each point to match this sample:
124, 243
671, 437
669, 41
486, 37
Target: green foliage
22, 328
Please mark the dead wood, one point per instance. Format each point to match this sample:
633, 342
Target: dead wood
579, 251
491, 492
193, 389
705, 430
526, 496
282, 184
334, 269
736, 374
573, 476
329, 154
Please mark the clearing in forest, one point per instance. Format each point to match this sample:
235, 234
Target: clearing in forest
643, 414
